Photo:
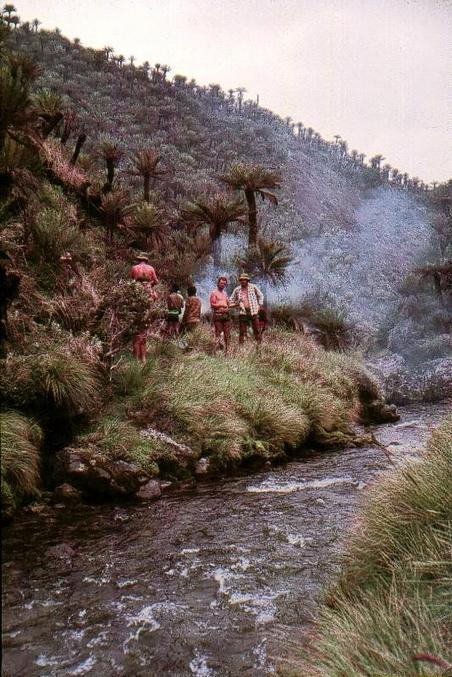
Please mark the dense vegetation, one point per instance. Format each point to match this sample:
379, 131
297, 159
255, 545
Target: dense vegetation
390, 611
99, 159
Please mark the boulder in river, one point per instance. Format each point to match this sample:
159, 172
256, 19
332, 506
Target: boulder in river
203, 467
149, 491
95, 475
66, 493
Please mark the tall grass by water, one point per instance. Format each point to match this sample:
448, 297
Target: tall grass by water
391, 611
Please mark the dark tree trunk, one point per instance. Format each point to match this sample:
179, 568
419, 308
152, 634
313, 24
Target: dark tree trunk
110, 176
78, 147
51, 121
252, 217
146, 184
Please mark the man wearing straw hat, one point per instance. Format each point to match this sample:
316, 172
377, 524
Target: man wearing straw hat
249, 300
144, 273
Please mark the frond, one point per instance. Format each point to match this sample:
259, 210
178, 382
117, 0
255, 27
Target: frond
242, 176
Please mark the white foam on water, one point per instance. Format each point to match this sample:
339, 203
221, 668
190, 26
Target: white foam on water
222, 576
198, 666
268, 487
100, 639
189, 551
296, 539
46, 661
239, 598
45, 603
126, 582
243, 564
84, 667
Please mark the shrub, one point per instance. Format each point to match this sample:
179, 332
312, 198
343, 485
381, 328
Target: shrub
21, 440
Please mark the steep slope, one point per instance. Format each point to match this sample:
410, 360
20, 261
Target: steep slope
358, 233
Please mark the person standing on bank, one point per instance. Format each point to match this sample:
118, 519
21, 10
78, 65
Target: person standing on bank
219, 303
175, 303
144, 273
192, 312
249, 299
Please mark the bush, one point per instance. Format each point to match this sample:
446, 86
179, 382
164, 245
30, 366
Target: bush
117, 439
21, 440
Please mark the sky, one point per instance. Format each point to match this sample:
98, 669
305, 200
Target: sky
377, 72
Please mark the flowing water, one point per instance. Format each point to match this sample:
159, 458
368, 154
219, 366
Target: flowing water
219, 579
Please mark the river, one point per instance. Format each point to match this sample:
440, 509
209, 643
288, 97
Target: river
219, 579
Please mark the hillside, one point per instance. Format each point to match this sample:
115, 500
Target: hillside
99, 160
351, 225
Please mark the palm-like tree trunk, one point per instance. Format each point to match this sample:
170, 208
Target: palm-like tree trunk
78, 147
146, 186
252, 217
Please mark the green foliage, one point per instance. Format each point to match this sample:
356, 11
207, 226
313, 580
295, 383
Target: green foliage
126, 310
330, 324
21, 439
393, 599
150, 229
267, 261
119, 440
216, 212
54, 233
243, 176
220, 405
57, 380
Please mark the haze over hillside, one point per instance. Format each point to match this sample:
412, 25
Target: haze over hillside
375, 72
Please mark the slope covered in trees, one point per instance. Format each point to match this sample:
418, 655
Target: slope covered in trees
99, 159
351, 225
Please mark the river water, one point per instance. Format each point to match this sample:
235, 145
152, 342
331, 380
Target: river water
220, 579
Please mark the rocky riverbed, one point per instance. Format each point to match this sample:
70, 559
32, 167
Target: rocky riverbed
216, 579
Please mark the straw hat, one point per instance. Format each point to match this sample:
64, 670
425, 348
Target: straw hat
142, 257
244, 276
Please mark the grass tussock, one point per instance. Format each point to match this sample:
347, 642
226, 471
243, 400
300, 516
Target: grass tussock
246, 405
119, 440
20, 442
392, 605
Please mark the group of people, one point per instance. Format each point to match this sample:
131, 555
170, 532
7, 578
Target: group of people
185, 314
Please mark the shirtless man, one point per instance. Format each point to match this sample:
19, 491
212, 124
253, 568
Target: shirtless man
144, 273
219, 302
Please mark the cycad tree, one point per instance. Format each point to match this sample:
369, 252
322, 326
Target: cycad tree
268, 261
111, 153
145, 163
149, 227
48, 106
216, 212
114, 210
252, 180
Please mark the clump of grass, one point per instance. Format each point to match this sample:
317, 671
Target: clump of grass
392, 603
119, 440
279, 399
58, 380
21, 439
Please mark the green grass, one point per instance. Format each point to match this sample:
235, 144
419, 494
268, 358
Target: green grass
20, 441
247, 404
394, 598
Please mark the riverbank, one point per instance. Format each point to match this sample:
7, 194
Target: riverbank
114, 589
188, 412
390, 611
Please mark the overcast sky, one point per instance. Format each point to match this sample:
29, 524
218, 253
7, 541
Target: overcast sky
377, 72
